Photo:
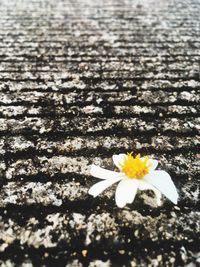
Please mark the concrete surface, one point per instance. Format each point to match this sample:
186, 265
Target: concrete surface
79, 81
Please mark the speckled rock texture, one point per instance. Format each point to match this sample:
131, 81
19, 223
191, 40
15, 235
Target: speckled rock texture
79, 81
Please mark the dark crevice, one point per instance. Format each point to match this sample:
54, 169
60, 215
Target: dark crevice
119, 132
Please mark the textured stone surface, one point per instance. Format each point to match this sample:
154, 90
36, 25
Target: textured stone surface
79, 81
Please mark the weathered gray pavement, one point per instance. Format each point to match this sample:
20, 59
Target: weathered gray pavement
79, 81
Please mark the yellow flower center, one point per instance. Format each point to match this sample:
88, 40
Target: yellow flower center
135, 167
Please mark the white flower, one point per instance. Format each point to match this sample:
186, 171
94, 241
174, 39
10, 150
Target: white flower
135, 173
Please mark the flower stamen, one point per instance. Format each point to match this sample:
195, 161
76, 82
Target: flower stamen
135, 167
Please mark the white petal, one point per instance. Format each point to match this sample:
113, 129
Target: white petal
146, 186
102, 173
153, 163
125, 192
163, 182
118, 159
99, 187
